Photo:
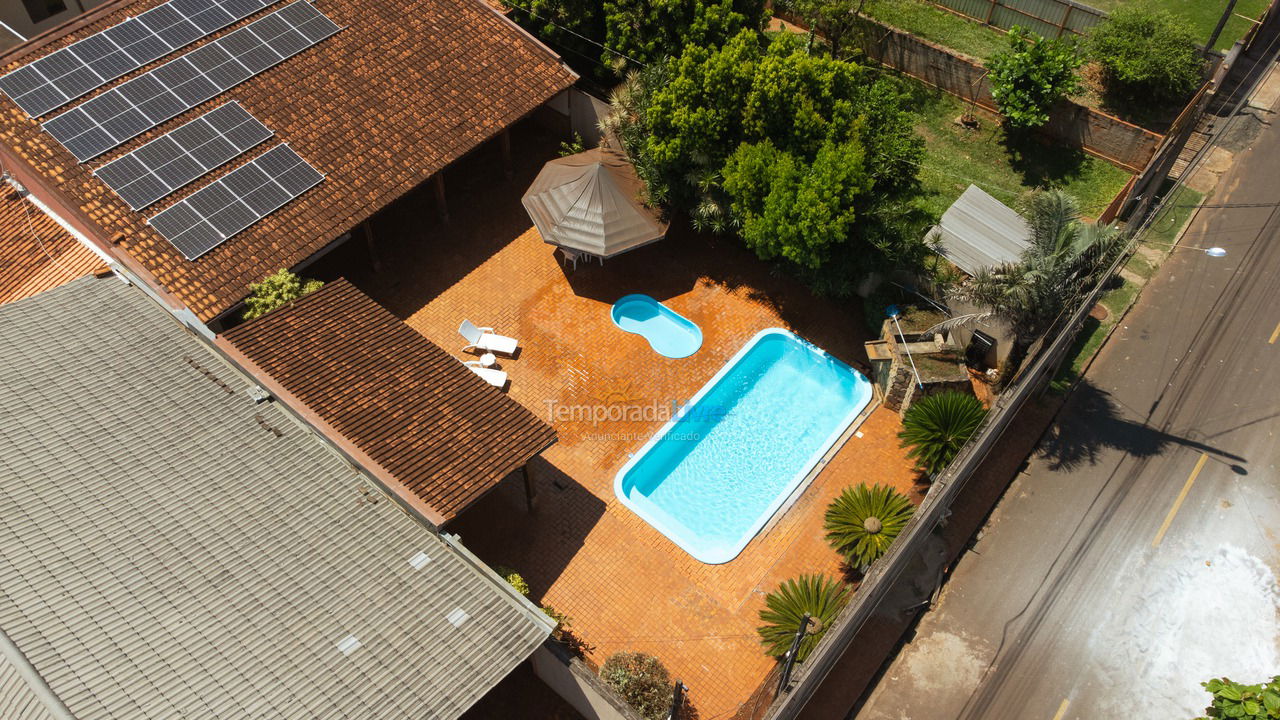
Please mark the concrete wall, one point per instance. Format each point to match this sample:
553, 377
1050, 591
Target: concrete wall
572, 680
1097, 133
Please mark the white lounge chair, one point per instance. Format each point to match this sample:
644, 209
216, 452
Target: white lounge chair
483, 338
496, 378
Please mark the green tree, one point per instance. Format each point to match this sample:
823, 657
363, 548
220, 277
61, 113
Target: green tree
818, 595
791, 209
1247, 702
1065, 255
863, 521
1031, 75
641, 680
278, 288
1147, 54
937, 426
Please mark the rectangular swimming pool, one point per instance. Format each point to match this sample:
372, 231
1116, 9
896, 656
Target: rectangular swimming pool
715, 473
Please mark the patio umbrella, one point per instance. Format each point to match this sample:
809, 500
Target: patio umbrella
589, 203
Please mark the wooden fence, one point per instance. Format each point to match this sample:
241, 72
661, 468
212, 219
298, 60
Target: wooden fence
1050, 18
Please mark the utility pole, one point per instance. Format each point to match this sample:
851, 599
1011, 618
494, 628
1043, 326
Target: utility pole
1222, 22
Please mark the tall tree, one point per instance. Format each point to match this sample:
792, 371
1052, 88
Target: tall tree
1032, 75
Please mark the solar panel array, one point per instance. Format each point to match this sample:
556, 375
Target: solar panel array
173, 160
208, 217
140, 104
62, 76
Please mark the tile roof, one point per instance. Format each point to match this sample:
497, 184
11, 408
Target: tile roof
172, 549
36, 253
406, 88
442, 432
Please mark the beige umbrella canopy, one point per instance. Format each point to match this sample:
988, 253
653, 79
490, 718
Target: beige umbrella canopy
590, 203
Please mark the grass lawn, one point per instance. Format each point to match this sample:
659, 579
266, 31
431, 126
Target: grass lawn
1202, 14
929, 22
956, 157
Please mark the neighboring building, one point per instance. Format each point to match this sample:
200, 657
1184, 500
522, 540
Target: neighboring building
177, 545
392, 98
25, 19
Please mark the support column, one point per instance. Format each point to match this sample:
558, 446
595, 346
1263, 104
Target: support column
373, 248
529, 495
441, 205
504, 140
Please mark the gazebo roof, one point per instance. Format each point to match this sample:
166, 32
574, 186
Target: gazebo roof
591, 203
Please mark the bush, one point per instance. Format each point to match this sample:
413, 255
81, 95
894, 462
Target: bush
936, 427
1147, 54
513, 578
641, 680
279, 288
820, 596
1248, 702
1033, 74
862, 522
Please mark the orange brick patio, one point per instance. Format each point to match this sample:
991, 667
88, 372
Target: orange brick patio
625, 586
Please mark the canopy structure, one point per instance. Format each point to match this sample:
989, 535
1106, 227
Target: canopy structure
590, 203
979, 232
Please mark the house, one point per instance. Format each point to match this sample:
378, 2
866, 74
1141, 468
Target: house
24, 19
377, 99
179, 544
36, 253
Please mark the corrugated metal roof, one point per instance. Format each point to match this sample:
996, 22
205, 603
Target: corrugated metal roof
172, 549
979, 232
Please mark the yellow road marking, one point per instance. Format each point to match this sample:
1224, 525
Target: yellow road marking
1062, 709
1275, 335
1168, 520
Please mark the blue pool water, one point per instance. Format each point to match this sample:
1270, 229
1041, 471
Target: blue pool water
715, 473
668, 333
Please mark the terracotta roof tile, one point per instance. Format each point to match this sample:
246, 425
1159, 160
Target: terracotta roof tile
415, 409
406, 88
36, 253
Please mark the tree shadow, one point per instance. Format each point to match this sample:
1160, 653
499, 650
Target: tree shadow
1091, 422
1040, 163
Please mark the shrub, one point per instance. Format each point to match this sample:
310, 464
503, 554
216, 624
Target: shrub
1031, 75
641, 680
513, 578
820, 596
1248, 702
562, 622
279, 288
1147, 54
937, 426
863, 521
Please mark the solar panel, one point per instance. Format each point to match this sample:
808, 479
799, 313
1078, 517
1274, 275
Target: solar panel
140, 104
211, 215
174, 159
60, 77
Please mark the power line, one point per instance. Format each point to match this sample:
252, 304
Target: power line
578, 35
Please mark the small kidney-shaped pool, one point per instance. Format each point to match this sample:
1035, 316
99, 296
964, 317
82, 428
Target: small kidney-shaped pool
669, 333
712, 477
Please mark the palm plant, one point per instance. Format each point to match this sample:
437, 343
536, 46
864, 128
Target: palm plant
818, 595
1064, 256
936, 427
863, 521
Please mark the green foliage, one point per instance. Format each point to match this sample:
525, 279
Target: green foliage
1065, 256
1248, 702
1031, 75
513, 579
863, 521
641, 680
279, 288
794, 210
833, 20
1147, 54
818, 595
643, 31
706, 129
572, 147
937, 426
562, 621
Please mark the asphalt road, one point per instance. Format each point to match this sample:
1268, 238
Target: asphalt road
1138, 554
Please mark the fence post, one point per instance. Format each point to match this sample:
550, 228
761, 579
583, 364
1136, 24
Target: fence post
1065, 19
677, 700
991, 11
